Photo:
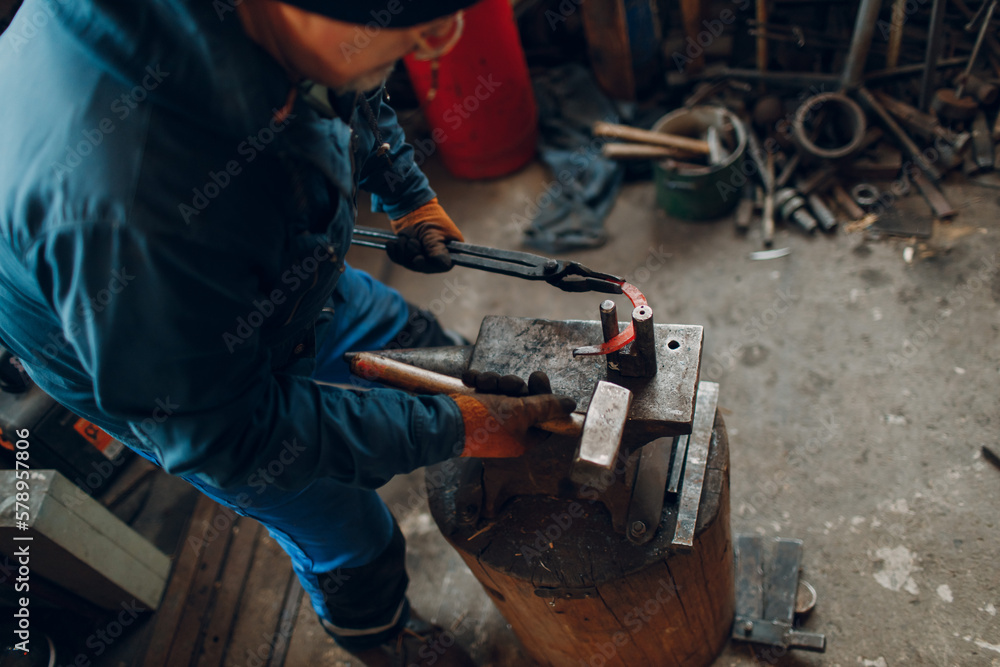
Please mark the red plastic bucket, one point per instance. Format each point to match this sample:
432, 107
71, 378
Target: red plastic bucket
483, 117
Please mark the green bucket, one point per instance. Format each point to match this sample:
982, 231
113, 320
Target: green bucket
701, 192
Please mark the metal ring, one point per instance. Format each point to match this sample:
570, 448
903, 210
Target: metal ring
865, 194
840, 103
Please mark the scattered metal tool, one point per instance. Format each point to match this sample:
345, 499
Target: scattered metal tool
836, 108
932, 55
903, 139
846, 202
921, 123
866, 195
766, 594
826, 218
792, 207
954, 104
982, 141
991, 456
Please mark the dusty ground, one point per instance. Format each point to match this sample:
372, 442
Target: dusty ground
858, 390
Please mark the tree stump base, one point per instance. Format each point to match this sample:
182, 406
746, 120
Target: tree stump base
577, 594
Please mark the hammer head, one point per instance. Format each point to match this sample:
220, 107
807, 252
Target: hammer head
603, 428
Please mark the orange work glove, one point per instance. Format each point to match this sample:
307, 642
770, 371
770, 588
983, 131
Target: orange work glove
421, 236
496, 426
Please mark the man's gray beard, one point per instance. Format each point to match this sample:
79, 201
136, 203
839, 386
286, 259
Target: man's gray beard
366, 82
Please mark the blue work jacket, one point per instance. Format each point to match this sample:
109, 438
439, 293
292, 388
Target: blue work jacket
170, 239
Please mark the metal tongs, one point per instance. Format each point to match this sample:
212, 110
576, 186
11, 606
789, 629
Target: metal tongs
567, 276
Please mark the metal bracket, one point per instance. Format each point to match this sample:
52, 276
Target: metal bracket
765, 609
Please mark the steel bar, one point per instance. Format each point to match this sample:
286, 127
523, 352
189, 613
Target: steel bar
899, 134
934, 43
896, 32
610, 329
695, 465
935, 198
864, 30
978, 45
909, 70
677, 465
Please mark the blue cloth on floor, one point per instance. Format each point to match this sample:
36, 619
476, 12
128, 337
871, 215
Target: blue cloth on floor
573, 208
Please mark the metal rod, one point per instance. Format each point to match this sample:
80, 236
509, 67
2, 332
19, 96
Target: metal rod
935, 41
610, 328
907, 70
975, 49
900, 135
896, 33
861, 41
644, 345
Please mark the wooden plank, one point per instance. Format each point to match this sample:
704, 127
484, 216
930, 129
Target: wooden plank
286, 624
186, 565
83, 547
606, 28
107, 524
211, 538
255, 631
231, 587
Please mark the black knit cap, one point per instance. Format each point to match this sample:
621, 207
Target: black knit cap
383, 13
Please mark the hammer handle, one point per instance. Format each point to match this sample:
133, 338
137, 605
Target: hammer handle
602, 129
419, 380
634, 151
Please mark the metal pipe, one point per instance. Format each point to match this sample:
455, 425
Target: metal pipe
861, 41
934, 43
901, 137
907, 70
975, 49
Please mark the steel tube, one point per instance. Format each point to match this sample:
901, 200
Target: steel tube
861, 41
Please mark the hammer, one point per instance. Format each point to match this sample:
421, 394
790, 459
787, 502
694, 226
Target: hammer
600, 430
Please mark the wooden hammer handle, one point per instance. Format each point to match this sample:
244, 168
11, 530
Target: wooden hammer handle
394, 373
641, 152
602, 129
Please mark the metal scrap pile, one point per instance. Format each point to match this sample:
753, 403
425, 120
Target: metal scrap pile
840, 146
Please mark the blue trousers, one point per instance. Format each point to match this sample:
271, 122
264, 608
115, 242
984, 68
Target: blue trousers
344, 544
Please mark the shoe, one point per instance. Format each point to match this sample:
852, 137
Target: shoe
420, 644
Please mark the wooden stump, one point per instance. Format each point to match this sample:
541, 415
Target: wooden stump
579, 595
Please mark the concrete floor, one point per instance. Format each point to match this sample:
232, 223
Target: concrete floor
857, 389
